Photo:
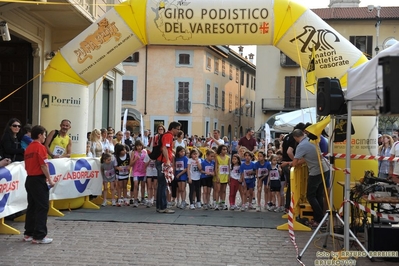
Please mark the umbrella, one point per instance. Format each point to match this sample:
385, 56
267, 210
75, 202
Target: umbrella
286, 122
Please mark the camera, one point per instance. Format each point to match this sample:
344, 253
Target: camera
50, 55
370, 8
5, 34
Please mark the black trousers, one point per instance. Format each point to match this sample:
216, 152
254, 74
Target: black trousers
195, 186
38, 206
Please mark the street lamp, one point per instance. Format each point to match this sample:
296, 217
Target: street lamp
377, 25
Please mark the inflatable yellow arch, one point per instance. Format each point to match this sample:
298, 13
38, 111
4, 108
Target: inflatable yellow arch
289, 26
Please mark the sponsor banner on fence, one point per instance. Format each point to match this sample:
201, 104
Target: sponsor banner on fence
73, 178
12, 189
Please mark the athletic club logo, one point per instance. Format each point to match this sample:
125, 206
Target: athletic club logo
318, 38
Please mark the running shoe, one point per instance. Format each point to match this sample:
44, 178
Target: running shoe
225, 207
198, 205
216, 207
272, 208
257, 208
131, 201
45, 240
135, 204
113, 202
205, 206
183, 205
243, 208
232, 207
127, 202
27, 238
104, 203
192, 207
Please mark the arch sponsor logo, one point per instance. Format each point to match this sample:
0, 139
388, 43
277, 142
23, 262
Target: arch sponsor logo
324, 42
6, 187
52, 100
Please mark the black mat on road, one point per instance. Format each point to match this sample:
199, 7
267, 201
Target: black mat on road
229, 218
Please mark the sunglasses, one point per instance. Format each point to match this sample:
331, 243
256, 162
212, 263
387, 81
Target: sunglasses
16, 126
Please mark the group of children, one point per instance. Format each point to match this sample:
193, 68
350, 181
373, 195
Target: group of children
204, 175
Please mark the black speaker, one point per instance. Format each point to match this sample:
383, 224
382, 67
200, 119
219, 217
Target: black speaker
385, 238
390, 81
330, 98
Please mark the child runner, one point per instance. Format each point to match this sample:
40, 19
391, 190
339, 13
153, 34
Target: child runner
194, 174
222, 173
241, 152
262, 173
247, 170
207, 175
152, 181
109, 177
181, 175
234, 181
122, 167
139, 171
274, 183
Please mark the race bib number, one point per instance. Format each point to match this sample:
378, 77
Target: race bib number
262, 171
179, 166
151, 164
58, 150
223, 169
274, 175
248, 174
124, 170
195, 168
109, 173
209, 169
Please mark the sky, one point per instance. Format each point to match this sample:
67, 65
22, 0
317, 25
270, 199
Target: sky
320, 4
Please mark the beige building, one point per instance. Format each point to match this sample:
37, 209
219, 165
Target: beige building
202, 87
282, 89
38, 31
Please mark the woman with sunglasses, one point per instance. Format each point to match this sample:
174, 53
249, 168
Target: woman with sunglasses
11, 141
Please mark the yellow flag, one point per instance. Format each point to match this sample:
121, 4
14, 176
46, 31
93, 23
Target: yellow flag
310, 74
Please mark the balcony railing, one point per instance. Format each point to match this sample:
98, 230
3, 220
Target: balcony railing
183, 107
280, 104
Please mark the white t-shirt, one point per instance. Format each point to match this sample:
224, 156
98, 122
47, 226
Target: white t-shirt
212, 143
151, 170
194, 170
395, 152
182, 143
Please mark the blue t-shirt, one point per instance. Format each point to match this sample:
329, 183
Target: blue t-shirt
207, 167
247, 168
262, 169
234, 144
25, 141
181, 164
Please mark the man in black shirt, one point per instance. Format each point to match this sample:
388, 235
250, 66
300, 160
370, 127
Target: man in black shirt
288, 147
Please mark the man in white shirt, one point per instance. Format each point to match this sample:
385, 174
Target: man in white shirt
215, 140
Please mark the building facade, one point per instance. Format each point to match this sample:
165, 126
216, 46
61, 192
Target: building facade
38, 31
202, 87
370, 29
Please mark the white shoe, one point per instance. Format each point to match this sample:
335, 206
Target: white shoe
198, 205
45, 240
192, 207
104, 203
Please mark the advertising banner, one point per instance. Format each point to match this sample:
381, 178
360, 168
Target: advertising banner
73, 178
59, 101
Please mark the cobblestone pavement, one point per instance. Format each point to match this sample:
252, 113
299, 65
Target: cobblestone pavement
111, 243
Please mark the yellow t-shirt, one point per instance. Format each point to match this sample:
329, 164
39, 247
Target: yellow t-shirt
223, 168
59, 145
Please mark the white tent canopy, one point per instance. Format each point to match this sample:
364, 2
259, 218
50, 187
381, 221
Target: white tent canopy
285, 122
365, 82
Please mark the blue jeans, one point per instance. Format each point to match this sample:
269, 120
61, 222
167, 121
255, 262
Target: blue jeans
161, 190
314, 194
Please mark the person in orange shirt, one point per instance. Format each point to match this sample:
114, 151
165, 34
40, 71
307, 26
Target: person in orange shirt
37, 186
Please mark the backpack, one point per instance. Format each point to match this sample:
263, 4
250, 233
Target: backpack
54, 136
157, 150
